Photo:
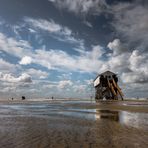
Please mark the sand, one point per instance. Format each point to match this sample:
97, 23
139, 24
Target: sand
73, 124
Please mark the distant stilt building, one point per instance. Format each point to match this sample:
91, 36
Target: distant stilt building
106, 85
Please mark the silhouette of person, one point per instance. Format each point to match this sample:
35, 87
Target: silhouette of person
23, 98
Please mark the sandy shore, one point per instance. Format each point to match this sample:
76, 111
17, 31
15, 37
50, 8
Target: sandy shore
73, 124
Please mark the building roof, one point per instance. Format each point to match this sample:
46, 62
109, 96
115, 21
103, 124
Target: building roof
105, 73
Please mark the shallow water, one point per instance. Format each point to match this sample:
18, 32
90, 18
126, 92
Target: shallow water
135, 119
47, 123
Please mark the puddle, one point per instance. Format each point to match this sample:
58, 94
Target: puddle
138, 120
77, 114
107, 114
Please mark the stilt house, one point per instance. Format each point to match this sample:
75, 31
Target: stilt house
106, 85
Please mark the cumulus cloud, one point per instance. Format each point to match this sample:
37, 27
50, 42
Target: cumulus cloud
65, 76
81, 6
25, 60
80, 88
131, 65
24, 78
116, 46
129, 58
134, 77
56, 59
127, 63
39, 74
89, 82
130, 23
64, 84
139, 61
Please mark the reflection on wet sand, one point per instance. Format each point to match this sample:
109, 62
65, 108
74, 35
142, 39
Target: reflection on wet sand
107, 114
138, 120
60, 125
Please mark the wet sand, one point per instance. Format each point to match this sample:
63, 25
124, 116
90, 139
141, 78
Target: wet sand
73, 124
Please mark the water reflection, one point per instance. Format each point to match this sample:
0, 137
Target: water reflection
107, 114
138, 120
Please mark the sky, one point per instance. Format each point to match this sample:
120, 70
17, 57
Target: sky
58, 47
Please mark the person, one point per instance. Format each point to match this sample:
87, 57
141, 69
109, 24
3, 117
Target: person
52, 97
91, 98
11, 98
23, 98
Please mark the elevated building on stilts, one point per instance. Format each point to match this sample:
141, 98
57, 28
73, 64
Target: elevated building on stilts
106, 86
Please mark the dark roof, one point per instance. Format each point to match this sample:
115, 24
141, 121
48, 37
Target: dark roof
105, 73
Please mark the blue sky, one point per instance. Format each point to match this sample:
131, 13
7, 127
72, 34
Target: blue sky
57, 47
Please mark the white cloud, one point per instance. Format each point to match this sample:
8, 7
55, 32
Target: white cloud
116, 46
139, 62
57, 31
134, 77
131, 65
89, 82
37, 73
65, 76
45, 25
97, 52
49, 86
6, 66
88, 24
31, 30
7, 89
64, 84
81, 6
80, 88
14, 47
26, 60
56, 59
130, 22
24, 78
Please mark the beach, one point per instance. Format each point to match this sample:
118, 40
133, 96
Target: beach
73, 124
